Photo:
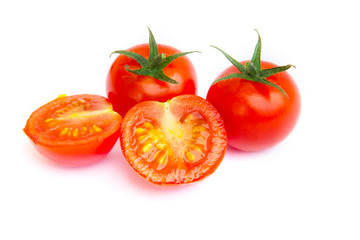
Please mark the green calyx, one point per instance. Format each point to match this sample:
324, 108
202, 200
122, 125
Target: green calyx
154, 66
252, 70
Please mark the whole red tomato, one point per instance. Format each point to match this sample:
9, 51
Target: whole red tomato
258, 101
149, 72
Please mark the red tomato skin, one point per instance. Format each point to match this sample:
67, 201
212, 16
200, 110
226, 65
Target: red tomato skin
256, 116
125, 89
78, 156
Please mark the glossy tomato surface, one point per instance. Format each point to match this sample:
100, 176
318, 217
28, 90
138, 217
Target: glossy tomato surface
125, 89
74, 130
180, 141
256, 116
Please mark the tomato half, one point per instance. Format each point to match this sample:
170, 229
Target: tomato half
256, 116
180, 141
125, 89
74, 130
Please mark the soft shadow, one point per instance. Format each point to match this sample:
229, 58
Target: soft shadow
242, 155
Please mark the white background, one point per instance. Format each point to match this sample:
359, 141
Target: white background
307, 187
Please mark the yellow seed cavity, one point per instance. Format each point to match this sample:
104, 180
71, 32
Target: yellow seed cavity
142, 137
200, 140
200, 128
200, 135
148, 125
60, 111
197, 148
190, 157
76, 132
96, 128
163, 160
156, 155
160, 145
84, 130
64, 131
140, 130
147, 147
51, 123
189, 118
48, 120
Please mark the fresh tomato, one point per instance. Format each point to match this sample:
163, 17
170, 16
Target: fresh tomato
180, 141
258, 101
74, 130
149, 72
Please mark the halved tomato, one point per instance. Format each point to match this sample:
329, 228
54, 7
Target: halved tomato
74, 130
180, 141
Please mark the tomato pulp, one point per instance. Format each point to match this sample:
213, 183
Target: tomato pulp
74, 130
180, 141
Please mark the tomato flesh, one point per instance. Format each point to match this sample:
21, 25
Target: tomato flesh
74, 130
125, 89
179, 141
256, 116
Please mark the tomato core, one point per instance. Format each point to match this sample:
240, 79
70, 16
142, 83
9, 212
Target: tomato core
172, 142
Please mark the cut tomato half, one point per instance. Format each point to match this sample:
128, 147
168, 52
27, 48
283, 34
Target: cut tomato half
180, 141
74, 130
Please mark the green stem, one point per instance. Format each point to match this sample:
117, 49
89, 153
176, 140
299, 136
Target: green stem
252, 71
155, 64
